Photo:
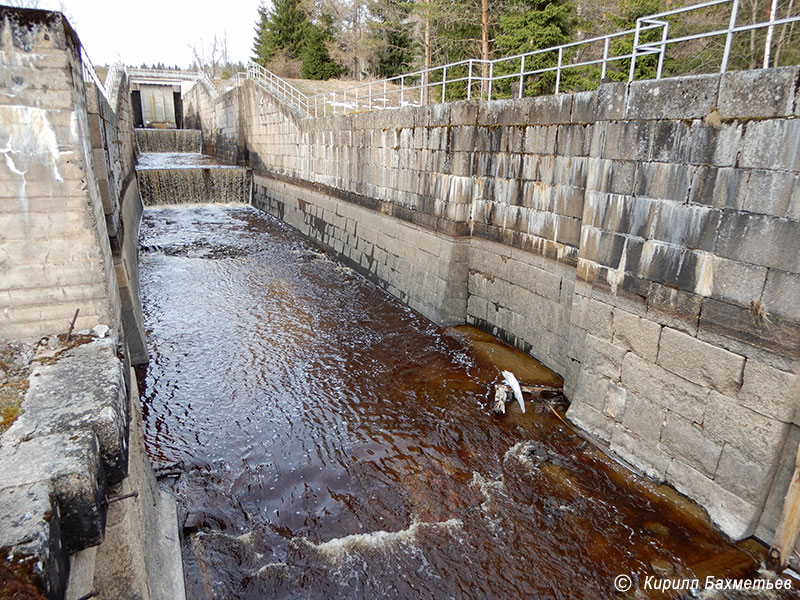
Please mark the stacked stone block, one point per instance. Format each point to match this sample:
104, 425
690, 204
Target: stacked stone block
684, 354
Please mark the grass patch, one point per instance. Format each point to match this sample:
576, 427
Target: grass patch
11, 396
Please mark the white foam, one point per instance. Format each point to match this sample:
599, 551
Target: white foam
340, 549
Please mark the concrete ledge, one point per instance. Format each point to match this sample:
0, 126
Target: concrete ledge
69, 464
166, 581
31, 540
83, 390
141, 555
58, 456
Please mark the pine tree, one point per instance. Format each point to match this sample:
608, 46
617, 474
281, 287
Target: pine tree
538, 24
391, 38
288, 31
279, 30
317, 62
262, 51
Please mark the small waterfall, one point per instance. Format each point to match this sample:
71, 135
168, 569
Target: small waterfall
184, 185
171, 170
169, 140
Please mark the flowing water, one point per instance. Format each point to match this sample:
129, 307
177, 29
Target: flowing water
175, 178
324, 441
169, 140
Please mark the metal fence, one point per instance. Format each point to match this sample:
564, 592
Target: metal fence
276, 85
649, 41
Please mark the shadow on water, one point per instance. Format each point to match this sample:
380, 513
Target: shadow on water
325, 441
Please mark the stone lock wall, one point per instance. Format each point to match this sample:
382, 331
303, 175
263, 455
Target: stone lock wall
641, 240
54, 250
685, 318
68, 238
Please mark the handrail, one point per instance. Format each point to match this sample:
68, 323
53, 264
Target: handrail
416, 88
89, 73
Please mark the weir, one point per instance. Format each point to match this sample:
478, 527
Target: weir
173, 171
169, 140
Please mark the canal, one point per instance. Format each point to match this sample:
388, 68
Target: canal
324, 441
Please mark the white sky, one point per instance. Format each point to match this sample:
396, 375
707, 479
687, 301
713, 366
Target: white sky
153, 31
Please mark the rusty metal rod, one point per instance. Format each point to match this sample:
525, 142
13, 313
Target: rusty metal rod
122, 497
72, 325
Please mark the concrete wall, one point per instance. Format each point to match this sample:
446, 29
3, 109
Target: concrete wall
69, 220
67, 166
640, 239
54, 250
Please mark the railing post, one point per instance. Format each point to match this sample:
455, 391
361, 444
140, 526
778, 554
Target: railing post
521, 75
633, 51
558, 68
385, 93
773, 12
369, 105
469, 81
729, 37
402, 90
605, 58
491, 76
444, 81
664, 35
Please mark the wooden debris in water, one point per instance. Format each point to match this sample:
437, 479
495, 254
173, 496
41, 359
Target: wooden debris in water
503, 393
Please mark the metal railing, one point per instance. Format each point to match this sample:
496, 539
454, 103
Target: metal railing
90, 75
465, 79
277, 85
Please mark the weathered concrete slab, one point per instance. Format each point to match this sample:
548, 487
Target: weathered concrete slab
31, 538
758, 94
684, 98
83, 390
70, 465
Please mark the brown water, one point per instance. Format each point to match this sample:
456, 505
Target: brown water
326, 442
